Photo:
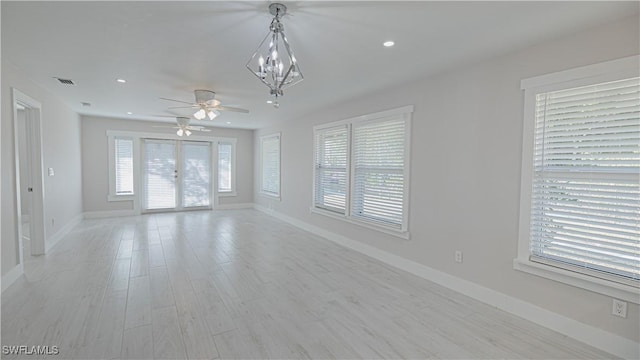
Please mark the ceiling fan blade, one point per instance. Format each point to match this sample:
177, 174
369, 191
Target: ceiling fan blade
228, 108
183, 107
180, 101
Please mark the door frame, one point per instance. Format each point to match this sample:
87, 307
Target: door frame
33, 110
178, 187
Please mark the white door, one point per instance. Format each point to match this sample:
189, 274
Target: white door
176, 175
195, 165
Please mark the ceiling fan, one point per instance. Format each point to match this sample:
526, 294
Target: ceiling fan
206, 105
183, 126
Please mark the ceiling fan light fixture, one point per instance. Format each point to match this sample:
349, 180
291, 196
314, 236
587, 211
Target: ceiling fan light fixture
212, 114
187, 132
273, 62
200, 114
180, 132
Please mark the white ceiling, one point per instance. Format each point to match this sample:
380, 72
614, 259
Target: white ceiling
168, 49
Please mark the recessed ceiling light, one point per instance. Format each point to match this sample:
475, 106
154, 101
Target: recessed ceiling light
269, 101
129, 113
122, 81
388, 43
228, 122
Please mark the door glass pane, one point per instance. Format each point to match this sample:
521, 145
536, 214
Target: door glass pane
196, 169
159, 174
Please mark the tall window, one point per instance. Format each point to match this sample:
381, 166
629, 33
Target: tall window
226, 169
361, 169
584, 207
270, 165
121, 168
124, 165
331, 168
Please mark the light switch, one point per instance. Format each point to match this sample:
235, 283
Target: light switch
51, 173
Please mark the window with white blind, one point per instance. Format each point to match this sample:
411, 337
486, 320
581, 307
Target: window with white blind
226, 168
362, 170
584, 203
121, 168
270, 165
331, 152
124, 165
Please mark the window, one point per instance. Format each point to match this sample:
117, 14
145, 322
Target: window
124, 166
226, 168
120, 168
361, 170
331, 169
270, 165
583, 211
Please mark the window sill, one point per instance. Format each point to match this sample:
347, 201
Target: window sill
270, 195
396, 233
227, 193
601, 286
120, 197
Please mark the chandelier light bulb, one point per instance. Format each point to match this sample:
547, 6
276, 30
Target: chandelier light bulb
212, 115
180, 132
187, 132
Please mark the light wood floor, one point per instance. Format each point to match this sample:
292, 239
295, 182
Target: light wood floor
240, 284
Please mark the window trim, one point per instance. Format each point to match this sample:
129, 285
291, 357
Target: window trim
232, 192
112, 194
407, 113
263, 192
591, 74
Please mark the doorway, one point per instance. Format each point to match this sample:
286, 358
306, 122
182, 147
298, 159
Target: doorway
176, 175
29, 175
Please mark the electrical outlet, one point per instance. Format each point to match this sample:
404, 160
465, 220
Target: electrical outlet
619, 308
458, 256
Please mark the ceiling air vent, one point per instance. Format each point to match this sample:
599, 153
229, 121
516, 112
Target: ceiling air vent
65, 81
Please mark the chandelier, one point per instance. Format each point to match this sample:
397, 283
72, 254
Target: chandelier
273, 61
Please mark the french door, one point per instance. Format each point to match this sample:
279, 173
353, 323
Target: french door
176, 175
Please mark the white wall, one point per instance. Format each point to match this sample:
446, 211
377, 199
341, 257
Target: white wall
465, 182
95, 164
61, 151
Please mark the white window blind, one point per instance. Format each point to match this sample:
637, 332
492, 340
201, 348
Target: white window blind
123, 165
378, 165
224, 167
585, 211
159, 174
331, 168
270, 150
196, 174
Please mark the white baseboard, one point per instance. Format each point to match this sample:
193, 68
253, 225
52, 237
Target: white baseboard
234, 206
62, 232
11, 276
603, 340
108, 214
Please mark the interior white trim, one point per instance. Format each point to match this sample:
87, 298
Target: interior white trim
109, 213
603, 340
235, 206
611, 70
406, 235
62, 232
11, 276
